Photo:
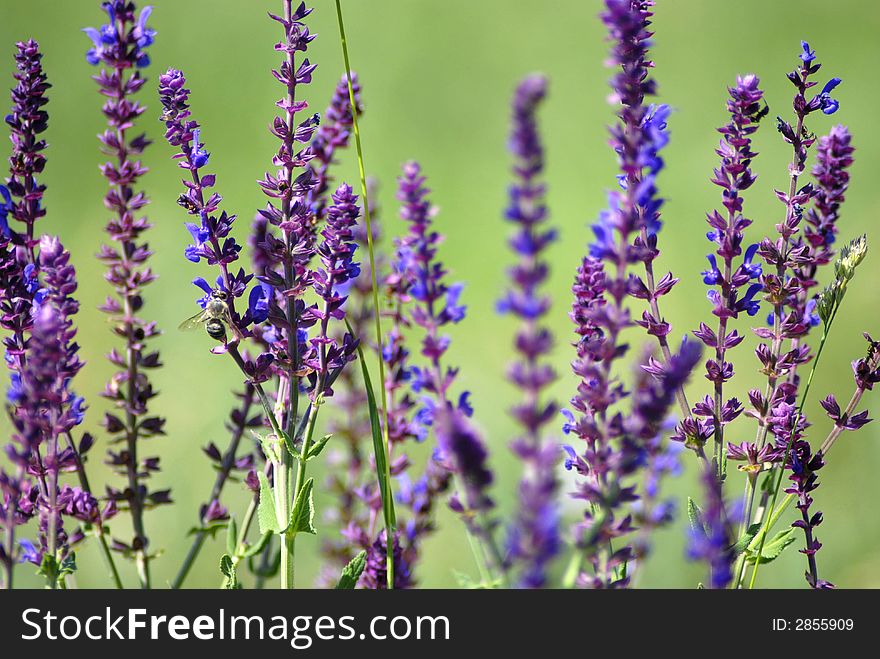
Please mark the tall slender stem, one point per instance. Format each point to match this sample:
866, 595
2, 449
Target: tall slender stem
389, 532
99, 527
222, 477
781, 468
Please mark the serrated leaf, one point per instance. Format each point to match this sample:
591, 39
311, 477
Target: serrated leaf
773, 547
231, 536
269, 570
695, 517
288, 443
227, 568
68, 565
255, 549
266, 515
303, 514
317, 447
745, 541
352, 572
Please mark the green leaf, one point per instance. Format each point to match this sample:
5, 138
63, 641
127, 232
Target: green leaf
352, 572
465, 581
773, 547
227, 567
255, 549
231, 536
303, 514
288, 443
271, 569
211, 530
695, 517
746, 539
317, 447
68, 565
379, 448
266, 515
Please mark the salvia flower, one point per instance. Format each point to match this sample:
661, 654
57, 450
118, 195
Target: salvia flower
424, 301
709, 540
834, 156
120, 50
23, 194
212, 228
788, 426
734, 176
350, 479
47, 408
336, 252
124, 36
375, 573
534, 536
788, 257
331, 136
616, 446
637, 139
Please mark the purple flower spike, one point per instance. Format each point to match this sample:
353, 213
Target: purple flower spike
709, 539
46, 409
120, 50
788, 426
534, 536
332, 135
834, 156
212, 227
336, 252
23, 194
734, 176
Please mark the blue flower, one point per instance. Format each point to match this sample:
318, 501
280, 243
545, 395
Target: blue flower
454, 310
199, 156
424, 417
205, 286
464, 404
145, 36
31, 281
572, 458
810, 313
5, 209
603, 246
568, 426
712, 276
747, 303
15, 393
807, 55
78, 409
829, 105
258, 303
420, 378
29, 553
752, 269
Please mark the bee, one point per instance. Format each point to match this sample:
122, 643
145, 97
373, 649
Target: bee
215, 317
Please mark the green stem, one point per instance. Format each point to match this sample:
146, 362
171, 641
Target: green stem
99, 529
219, 482
781, 468
389, 529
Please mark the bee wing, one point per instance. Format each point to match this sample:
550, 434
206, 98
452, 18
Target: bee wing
227, 320
193, 323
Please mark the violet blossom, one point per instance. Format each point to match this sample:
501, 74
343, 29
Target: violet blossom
120, 49
734, 176
534, 536
23, 194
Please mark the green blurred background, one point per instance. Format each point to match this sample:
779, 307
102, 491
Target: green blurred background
437, 77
